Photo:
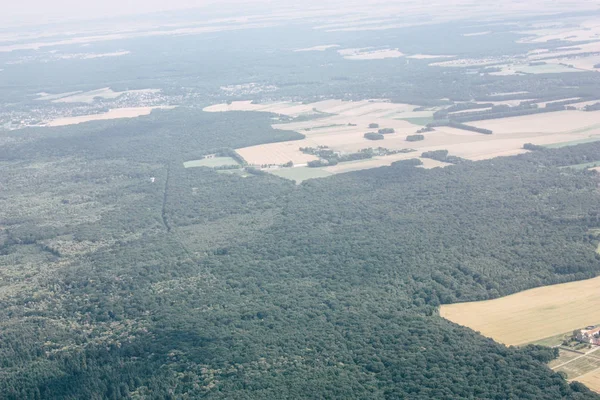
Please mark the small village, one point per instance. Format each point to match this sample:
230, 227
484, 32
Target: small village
42, 112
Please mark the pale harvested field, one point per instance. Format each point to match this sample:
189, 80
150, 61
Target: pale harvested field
591, 380
469, 111
428, 163
91, 56
533, 314
564, 356
276, 153
115, 113
579, 366
505, 102
555, 122
318, 48
366, 54
345, 123
477, 33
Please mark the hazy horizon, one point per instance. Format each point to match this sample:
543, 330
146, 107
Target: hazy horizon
42, 12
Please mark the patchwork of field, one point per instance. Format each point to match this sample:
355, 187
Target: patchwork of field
531, 315
580, 365
341, 125
116, 113
583, 55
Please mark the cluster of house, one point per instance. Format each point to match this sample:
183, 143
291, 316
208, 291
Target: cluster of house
590, 334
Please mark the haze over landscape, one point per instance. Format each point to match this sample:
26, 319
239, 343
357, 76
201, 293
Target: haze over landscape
325, 200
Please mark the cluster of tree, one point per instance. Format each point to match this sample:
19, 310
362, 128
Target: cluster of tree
382, 151
226, 167
373, 125
333, 158
414, 138
443, 113
385, 131
426, 129
442, 155
533, 147
373, 136
592, 107
319, 151
471, 128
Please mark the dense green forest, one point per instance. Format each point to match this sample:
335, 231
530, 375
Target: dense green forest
206, 284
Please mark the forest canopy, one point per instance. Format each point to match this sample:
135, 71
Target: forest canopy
203, 284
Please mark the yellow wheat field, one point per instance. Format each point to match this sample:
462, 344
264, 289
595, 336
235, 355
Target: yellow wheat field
533, 314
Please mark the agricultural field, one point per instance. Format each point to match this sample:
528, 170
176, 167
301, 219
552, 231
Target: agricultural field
116, 113
301, 174
104, 93
564, 357
590, 165
580, 365
213, 162
544, 316
583, 55
370, 54
531, 315
341, 125
591, 380
573, 142
560, 122
89, 96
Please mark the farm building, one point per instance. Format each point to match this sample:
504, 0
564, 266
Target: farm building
590, 334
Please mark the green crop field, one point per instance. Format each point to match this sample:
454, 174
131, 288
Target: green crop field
300, 174
211, 162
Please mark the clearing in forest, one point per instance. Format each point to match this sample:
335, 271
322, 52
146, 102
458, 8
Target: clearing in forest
340, 126
211, 162
531, 315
